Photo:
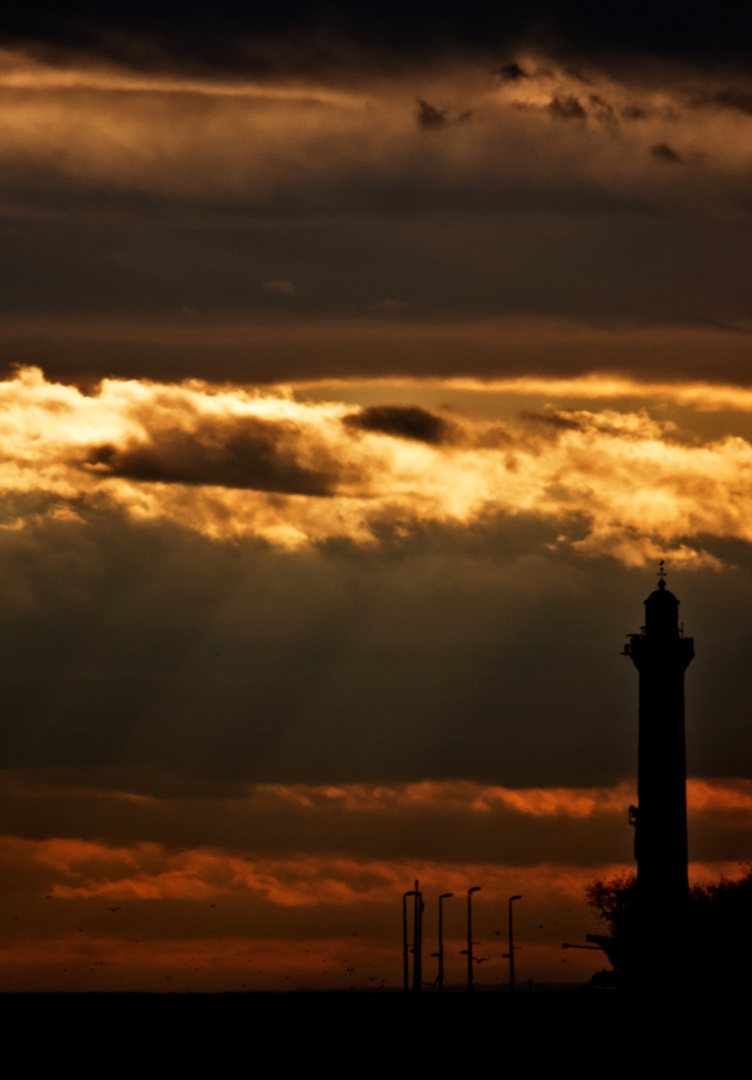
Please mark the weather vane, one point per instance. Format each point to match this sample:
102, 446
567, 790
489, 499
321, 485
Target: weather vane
661, 571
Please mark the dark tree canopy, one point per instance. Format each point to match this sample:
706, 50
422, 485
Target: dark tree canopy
718, 930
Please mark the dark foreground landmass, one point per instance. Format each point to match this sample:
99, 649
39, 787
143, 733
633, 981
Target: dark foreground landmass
605, 1030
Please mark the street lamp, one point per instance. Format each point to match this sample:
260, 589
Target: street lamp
511, 945
476, 888
418, 941
405, 964
444, 896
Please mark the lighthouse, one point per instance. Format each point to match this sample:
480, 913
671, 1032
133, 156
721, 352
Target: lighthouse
661, 654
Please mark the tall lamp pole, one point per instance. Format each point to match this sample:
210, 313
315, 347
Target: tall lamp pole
405, 953
476, 888
444, 896
511, 945
418, 941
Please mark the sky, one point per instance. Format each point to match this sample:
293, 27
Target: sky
359, 365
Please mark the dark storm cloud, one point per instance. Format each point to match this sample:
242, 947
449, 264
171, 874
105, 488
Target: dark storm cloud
178, 198
429, 117
603, 110
567, 108
174, 199
404, 422
234, 453
664, 152
636, 112
552, 418
511, 72
735, 97
172, 663
700, 348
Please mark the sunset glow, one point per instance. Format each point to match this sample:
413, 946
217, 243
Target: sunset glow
361, 366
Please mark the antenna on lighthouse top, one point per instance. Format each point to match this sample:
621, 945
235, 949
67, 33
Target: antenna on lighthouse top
661, 575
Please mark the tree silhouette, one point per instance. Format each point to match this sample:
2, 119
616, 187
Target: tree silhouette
615, 902
718, 933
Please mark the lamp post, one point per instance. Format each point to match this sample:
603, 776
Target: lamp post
511, 945
444, 896
405, 964
418, 941
476, 888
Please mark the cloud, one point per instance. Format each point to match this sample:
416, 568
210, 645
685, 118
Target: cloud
417, 655
699, 396
567, 108
603, 111
429, 117
210, 181
735, 97
666, 153
393, 305
213, 919
338, 141
403, 422
233, 453
479, 354
281, 287
150, 872
229, 463
143, 916
511, 72
467, 798
635, 112
554, 418
337, 677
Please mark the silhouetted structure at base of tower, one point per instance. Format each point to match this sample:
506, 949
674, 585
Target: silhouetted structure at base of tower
661, 654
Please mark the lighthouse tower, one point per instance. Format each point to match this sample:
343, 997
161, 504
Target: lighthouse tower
661, 654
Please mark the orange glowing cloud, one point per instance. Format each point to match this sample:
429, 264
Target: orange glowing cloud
450, 796
146, 872
98, 916
75, 869
730, 800
704, 798
229, 463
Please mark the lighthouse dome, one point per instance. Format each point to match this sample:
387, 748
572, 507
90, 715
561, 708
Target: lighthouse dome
661, 611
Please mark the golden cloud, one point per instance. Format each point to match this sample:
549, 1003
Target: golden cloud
228, 462
171, 134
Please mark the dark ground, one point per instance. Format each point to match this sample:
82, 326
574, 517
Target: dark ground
602, 1031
